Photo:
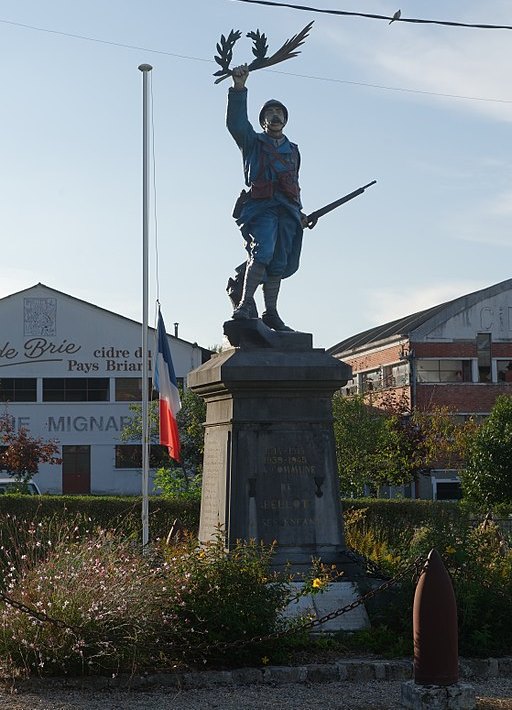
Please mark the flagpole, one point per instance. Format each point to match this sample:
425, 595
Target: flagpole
145, 69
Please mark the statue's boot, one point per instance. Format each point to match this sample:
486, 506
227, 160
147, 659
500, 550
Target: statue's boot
235, 288
254, 275
274, 321
246, 311
270, 316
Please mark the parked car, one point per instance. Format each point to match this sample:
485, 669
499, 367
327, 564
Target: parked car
10, 485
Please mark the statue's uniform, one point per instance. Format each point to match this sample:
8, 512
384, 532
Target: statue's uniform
270, 219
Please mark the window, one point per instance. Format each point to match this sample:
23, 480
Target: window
371, 380
18, 389
396, 375
130, 456
129, 389
504, 368
448, 490
76, 389
443, 371
483, 352
350, 388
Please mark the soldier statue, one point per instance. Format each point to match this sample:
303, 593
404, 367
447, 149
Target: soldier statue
269, 212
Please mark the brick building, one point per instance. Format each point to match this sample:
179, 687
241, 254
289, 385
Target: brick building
457, 355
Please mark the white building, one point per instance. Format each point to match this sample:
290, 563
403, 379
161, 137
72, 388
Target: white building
68, 372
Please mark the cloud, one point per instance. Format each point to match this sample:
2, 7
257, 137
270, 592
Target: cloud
473, 69
501, 205
458, 62
385, 305
484, 222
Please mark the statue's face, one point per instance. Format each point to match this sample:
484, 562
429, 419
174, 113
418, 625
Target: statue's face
273, 120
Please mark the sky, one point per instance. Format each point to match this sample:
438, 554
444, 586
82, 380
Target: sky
425, 110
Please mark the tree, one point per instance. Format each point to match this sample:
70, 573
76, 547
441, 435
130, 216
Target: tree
487, 478
446, 440
371, 448
389, 445
176, 480
23, 453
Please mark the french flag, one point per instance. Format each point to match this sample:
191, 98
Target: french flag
169, 398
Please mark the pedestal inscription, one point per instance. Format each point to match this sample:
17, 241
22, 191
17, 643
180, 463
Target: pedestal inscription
285, 490
213, 494
290, 467
288, 491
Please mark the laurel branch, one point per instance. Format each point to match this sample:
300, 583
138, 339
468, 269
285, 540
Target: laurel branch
259, 50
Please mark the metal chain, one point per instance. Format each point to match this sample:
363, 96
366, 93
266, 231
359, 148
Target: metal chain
418, 566
39, 615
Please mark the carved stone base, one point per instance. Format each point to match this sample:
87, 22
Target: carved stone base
336, 596
253, 333
460, 696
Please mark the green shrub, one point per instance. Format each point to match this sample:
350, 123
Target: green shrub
477, 556
396, 520
122, 513
176, 484
382, 639
214, 598
481, 569
230, 597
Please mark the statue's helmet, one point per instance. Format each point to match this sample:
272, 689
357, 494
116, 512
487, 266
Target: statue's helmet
269, 104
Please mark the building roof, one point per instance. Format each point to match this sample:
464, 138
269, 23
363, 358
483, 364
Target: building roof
206, 353
404, 327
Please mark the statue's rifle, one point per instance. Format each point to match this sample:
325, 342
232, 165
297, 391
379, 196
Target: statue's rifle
313, 218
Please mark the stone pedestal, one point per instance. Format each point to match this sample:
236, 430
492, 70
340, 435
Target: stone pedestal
459, 696
336, 596
269, 462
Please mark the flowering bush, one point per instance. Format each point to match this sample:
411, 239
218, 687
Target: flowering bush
480, 565
95, 605
91, 603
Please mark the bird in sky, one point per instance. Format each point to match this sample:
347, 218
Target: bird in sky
396, 16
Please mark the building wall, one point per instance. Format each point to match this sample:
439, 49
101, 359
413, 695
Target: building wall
491, 314
374, 357
468, 397
450, 335
464, 398
46, 334
459, 349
